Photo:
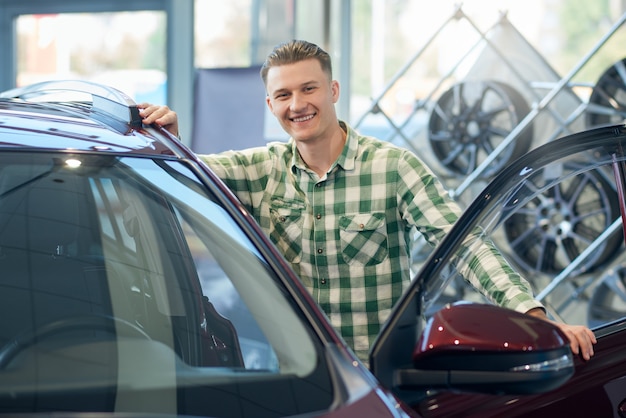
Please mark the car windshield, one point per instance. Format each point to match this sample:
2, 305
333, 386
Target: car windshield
122, 277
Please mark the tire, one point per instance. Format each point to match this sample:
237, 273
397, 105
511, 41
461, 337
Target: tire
607, 103
555, 227
470, 120
608, 301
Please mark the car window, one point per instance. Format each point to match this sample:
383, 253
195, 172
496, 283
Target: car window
128, 271
558, 224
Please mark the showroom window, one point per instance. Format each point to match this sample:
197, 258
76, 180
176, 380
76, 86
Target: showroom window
240, 33
126, 50
222, 33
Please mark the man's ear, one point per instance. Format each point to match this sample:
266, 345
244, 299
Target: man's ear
269, 103
334, 88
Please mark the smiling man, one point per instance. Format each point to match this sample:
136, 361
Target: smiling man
342, 207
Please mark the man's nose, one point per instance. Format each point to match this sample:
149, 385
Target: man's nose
297, 102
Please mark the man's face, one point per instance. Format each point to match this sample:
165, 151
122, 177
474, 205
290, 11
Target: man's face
302, 98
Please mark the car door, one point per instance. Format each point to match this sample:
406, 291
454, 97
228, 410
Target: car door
598, 386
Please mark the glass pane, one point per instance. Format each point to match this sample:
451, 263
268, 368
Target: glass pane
158, 244
126, 275
126, 50
222, 33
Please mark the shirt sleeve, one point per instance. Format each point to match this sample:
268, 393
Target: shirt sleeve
425, 204
244, 172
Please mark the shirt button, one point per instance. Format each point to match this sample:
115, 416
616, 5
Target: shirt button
319, 250
318, 216
361, 226
323, 281
282, 219
318, 185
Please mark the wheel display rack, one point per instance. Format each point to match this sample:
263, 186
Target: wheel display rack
496, 99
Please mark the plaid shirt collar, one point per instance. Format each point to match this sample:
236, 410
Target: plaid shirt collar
347, 159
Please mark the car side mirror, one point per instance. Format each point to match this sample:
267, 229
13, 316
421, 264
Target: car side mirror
488, 349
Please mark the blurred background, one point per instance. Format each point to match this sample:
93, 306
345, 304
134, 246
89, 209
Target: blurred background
390, 56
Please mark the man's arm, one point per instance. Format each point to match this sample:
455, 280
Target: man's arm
488, 269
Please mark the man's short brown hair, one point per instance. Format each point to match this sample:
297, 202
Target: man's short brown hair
296, 51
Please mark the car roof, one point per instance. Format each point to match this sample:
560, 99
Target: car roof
78, 116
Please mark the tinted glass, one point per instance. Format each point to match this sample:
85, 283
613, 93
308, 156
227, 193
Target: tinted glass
130, 289
555, 216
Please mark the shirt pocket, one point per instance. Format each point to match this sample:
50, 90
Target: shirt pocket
363, 238
287, 221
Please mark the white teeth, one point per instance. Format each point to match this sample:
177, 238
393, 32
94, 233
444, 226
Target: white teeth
302, 119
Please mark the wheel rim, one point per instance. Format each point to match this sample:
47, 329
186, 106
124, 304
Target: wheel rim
470, 120
608, 302
555, 227
607, 103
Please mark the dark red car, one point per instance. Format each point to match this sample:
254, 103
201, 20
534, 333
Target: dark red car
133, 283
558, 214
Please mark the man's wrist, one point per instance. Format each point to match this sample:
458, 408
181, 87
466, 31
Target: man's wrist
538, 312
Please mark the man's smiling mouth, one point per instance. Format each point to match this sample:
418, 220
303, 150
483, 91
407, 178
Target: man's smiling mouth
303, 118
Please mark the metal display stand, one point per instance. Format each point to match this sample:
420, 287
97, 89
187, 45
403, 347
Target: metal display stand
469, 143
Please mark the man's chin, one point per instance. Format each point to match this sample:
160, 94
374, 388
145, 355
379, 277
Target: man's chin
300, 134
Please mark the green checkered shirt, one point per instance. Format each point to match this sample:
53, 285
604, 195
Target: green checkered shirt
348, 234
